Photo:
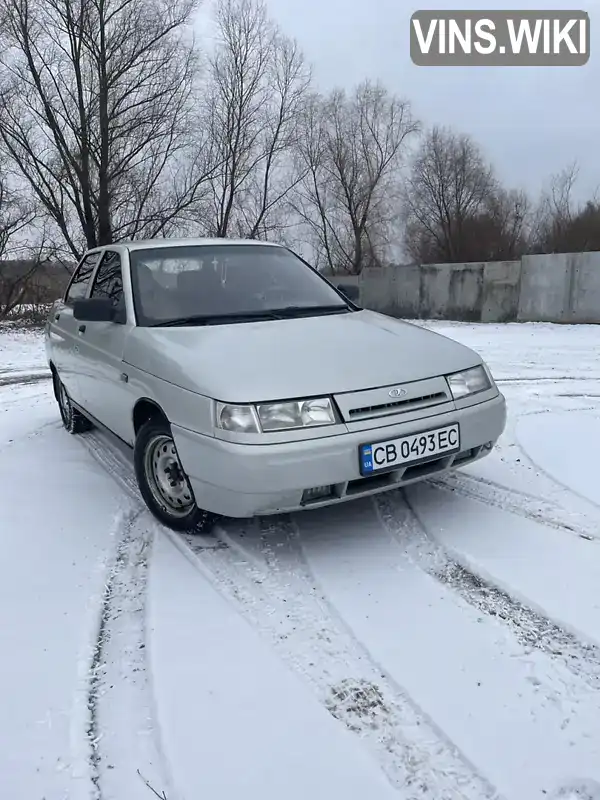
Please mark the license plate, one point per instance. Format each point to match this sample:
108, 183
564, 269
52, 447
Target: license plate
408, 449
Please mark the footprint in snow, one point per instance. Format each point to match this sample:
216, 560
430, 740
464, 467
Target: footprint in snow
578, 790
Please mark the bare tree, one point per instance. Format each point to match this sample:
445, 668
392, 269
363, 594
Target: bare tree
96, 112
449, 184
510, 216
257, 84
352, 150
455, 208
561, 224
311, 201
18, 261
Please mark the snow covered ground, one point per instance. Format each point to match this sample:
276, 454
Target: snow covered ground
442, 642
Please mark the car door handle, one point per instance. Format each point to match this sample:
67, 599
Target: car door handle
81, 329
56, 317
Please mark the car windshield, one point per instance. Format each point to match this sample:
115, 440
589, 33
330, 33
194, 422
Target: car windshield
217, 283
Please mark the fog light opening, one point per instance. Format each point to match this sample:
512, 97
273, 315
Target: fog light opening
317, 493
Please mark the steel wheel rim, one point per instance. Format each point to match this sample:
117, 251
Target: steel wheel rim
166, 478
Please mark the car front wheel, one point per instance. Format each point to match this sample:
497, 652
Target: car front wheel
163, 482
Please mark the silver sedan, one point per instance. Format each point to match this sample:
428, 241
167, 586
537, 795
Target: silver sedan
247, 384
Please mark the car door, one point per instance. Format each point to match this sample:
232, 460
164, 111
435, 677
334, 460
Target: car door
62, 327
105, 392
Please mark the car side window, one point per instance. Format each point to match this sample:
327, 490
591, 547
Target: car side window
108, 282
81, 278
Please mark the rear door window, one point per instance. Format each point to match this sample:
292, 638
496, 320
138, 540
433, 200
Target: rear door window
80, 281
108, 282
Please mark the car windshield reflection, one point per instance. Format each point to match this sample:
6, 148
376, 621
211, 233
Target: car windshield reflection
204, 284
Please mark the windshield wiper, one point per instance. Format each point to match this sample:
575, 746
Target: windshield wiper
215, 319
288, 312
298, 311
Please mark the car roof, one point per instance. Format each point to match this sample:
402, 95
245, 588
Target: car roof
150, 244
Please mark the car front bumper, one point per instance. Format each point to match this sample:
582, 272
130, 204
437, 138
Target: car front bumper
239, 480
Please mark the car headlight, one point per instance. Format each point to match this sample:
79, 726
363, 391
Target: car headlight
469, 381
267, 417
241, 419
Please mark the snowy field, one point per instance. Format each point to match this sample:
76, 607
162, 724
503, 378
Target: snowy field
442, 642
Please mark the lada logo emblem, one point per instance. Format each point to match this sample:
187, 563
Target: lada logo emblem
397, 392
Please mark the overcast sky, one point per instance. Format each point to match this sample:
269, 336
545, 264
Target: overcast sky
530, 121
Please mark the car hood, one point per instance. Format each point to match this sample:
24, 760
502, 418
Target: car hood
279, 359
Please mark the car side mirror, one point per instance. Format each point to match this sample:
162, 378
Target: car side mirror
119, 312
94, 309
350, 291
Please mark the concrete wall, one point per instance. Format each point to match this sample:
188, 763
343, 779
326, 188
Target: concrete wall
455, 293
544, 288
501, 285
394, 291
560, 288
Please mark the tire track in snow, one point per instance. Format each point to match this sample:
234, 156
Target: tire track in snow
282, 602
562, 486
125, 747
261, 569
558, 507
97, 667
264, 570
23, 380
517, 502
523, 381
488, 691
531, 629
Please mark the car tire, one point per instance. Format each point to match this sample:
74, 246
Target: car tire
72, 419
163, 483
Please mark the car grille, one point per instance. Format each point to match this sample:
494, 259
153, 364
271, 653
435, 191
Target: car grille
372, 403
399, 405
